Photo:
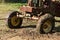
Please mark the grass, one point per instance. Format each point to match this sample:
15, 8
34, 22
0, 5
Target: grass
10, 6
6, 7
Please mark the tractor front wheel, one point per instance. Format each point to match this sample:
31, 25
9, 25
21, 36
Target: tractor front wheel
14, 21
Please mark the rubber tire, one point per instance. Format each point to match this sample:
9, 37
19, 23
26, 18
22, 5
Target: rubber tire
9, 20
42, 20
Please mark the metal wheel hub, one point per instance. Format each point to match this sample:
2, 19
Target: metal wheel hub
47, 26
14, 21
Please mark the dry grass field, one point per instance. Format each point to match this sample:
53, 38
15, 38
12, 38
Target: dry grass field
27, 31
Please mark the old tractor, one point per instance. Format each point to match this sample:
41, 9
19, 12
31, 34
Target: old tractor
42, 10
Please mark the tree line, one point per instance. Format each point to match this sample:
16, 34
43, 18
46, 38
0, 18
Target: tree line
12, 1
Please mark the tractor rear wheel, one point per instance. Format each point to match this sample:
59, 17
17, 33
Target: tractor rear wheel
45, 24
14, 21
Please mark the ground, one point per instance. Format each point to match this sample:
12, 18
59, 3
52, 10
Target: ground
26, 32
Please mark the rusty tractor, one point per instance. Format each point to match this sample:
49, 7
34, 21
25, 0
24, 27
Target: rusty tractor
42, 10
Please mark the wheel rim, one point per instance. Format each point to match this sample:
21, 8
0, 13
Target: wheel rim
47, 26
15, 21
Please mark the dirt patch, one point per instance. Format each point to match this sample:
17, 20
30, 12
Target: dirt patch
27, 34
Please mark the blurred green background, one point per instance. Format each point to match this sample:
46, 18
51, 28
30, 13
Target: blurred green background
6, 5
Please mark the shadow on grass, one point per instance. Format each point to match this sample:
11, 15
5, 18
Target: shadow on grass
29, 26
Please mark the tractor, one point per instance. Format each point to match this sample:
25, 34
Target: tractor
42, 10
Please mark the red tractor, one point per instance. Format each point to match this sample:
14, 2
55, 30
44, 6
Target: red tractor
42, 10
